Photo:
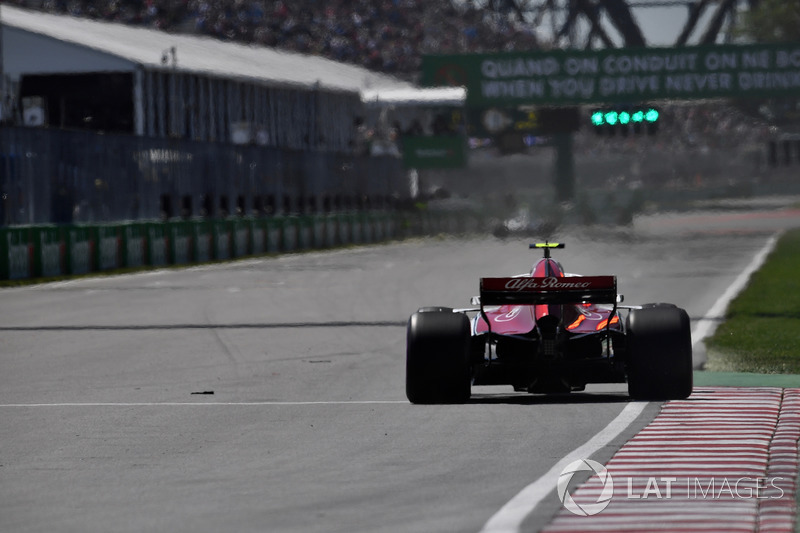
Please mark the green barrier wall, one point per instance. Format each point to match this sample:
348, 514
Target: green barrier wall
221, 239
50, 250
180, 235
107, 247
258, 236
289, 234
16, 252
240, 234
49, 259
344, 234
366, 229
274, 228
305, 235
80, 249
318, 230
379, 228
202, 241
356, 230
331, 231
133, 244
157, 244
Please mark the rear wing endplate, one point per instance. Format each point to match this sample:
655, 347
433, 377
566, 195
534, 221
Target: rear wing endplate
550, 290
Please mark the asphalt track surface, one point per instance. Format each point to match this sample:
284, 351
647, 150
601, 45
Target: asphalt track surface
268, 394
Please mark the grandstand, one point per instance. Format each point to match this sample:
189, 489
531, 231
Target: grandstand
388, 37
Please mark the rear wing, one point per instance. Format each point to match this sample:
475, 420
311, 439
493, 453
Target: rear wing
551, 290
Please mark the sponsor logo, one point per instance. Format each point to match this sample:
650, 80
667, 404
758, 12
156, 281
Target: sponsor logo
522, 284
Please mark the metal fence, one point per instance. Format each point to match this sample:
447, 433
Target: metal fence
59, 176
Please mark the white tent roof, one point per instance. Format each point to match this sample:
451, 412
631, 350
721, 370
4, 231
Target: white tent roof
200, 54
412, 96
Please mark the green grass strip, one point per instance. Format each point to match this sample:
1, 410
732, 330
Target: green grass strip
761, 332
744, 379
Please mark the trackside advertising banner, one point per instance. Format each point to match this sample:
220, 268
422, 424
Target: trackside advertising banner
566, 77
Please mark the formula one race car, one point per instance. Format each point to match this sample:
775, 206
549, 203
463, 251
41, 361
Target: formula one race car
548, 332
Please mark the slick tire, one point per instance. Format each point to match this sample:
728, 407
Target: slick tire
659, 353
437, 357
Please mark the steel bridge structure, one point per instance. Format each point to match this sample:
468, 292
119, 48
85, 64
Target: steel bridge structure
592, 24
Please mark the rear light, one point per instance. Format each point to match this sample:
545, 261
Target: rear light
606, 322
577, 322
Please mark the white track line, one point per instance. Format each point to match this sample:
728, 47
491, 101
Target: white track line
706, 325
198, 403
509, 518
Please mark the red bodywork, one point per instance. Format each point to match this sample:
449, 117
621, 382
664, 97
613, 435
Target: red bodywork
521, 319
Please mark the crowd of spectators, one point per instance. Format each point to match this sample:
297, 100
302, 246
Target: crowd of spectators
383, 35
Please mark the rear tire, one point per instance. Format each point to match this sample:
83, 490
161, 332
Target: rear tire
659, 353
437, 356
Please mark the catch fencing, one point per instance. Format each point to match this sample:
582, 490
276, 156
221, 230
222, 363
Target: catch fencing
61, 176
